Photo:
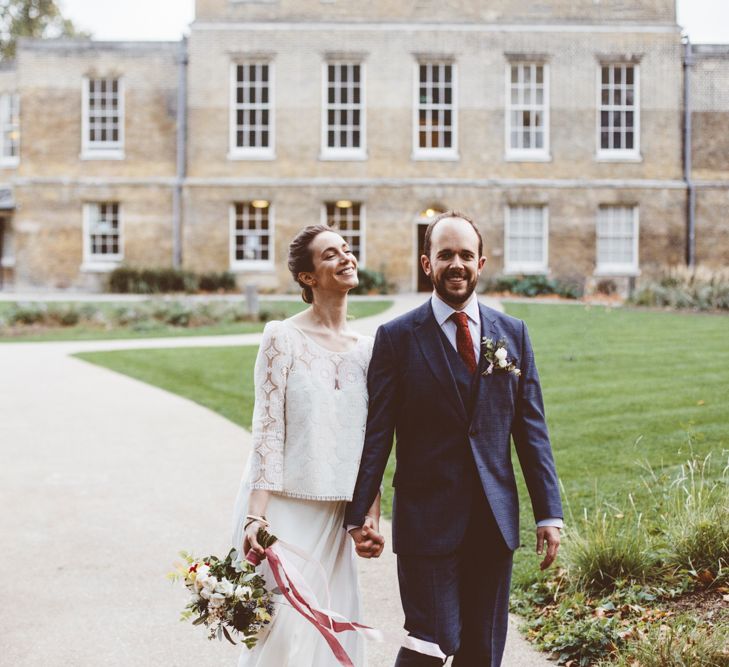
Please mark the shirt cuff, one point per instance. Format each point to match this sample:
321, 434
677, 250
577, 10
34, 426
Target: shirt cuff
555, 523
350, 526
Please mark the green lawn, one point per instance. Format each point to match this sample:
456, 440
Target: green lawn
621, 387
87, 332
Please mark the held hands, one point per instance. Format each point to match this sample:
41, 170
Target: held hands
368, 543
550, 535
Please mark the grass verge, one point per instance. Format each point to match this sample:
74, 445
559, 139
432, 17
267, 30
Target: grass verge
139, 320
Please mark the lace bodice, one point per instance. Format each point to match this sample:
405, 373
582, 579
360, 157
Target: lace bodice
309, 416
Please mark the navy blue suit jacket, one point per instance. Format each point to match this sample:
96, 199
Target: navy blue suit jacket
443, 449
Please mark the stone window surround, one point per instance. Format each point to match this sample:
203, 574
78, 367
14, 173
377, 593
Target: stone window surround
236, 152
97, 263
347, 153
618, 155
450, 153
531, 154
98, 150
631, 268
10, 124
532, 268
361, 234
252, 265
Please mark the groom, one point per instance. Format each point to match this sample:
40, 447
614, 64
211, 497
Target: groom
454, 406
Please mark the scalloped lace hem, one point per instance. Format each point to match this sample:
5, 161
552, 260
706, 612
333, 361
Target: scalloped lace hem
302, 494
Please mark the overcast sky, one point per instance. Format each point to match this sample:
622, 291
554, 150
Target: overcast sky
705, 20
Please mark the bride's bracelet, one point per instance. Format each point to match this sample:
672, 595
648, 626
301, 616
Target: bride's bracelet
252, 519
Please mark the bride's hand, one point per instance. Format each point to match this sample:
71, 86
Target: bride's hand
250, 539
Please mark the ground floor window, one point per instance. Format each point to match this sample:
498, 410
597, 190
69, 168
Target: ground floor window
617, 239
103, 232
251, 229
347, 217
526, 239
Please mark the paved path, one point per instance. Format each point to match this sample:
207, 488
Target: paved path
103, 479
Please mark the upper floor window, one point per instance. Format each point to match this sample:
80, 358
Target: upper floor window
618, 111
527, 111
103, 118
617, 239
343, 122
435, 125
526, 239
251, 235
10, 129
251, 118
347, 217
102, 235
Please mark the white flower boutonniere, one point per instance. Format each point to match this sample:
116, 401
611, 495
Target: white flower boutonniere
498, 357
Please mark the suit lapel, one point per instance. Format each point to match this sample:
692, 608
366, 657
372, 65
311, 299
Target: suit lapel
427, 334
488, 330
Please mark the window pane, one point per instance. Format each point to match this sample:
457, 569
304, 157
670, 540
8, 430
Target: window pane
344, 110
525, 237
103, 113
616, 237
617, 114
527, 107
348, 222
253, 111
104, 230
251, 240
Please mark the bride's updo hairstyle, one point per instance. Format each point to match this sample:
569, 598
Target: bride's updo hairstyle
300, 257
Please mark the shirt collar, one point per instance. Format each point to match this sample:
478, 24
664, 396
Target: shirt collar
443, 311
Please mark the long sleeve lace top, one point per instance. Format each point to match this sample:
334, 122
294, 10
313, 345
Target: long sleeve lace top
309, 415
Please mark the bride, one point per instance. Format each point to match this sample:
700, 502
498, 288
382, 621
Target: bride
308, 430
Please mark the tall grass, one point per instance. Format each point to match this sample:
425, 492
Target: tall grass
609, 546
697, 520
680, 287
683, 643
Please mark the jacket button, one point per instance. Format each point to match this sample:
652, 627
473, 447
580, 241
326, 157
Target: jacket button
473, 432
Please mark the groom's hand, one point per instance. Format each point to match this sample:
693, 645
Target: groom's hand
368, 543
550, 535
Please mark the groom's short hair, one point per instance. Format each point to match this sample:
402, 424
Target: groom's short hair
443, 216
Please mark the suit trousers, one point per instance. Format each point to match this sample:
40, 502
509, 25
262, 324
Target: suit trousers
459, 601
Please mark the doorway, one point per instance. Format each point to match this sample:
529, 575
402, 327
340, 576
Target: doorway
422, 282
2, 252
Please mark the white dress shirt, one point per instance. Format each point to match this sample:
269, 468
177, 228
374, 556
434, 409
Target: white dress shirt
443, 312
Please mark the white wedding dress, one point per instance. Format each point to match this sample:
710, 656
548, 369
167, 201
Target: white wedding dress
308, 430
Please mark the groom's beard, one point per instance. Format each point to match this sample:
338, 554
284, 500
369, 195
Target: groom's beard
440, 283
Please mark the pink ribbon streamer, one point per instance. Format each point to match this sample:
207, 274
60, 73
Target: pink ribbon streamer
321, 620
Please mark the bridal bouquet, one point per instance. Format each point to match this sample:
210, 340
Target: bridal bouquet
227, 596
230, 597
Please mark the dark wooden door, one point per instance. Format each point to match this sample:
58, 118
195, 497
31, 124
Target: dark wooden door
2, 237
424, 284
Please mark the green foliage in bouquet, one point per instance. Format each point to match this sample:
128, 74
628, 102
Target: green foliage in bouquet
228, 596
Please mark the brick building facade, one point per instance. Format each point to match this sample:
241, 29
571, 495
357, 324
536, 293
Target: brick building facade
560, 126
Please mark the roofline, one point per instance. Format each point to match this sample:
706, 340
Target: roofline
710, 50
65, 44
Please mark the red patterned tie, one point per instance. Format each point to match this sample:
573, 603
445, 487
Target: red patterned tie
464, 342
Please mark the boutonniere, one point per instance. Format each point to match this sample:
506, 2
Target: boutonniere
498, 357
